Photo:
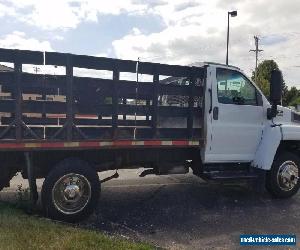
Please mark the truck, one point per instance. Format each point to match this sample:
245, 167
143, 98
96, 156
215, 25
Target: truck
208, 117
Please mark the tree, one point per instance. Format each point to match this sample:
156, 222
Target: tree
264, 70
295, 102
292, 96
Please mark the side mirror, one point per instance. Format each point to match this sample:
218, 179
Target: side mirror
275, 92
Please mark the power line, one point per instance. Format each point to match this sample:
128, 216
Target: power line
256, 50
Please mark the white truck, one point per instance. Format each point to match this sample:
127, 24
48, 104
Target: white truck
211, 118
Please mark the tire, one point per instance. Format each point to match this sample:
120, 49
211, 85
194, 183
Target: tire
71, 191
282, 180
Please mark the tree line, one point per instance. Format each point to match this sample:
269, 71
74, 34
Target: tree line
290, 96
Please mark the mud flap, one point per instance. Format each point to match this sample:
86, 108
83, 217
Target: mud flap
258, 185
31, 179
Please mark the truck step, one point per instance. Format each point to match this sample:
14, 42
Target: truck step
229, 175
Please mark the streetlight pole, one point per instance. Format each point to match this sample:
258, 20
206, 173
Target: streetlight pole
232, 14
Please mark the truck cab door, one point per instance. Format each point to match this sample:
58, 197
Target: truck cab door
234, 119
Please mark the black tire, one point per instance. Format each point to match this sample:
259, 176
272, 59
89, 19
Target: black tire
273, 179
55, 182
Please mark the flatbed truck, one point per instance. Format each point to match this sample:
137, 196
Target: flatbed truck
210, 118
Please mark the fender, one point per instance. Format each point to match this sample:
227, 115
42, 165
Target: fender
267, 147
291, 132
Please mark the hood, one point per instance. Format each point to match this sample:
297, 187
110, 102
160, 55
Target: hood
284, 115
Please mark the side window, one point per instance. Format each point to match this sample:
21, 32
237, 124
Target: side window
234, 88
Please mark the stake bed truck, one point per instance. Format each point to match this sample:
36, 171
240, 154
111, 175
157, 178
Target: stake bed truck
166, 118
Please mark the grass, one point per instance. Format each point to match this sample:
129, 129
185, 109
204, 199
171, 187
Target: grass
21, 231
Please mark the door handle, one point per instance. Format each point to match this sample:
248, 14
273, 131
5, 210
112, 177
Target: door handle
216, 113
210, 94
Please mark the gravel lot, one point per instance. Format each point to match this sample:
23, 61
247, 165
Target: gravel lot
184, 212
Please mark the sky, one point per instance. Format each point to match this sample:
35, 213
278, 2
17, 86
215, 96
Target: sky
174, 32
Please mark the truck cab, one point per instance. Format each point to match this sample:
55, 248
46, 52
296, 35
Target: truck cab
239, 128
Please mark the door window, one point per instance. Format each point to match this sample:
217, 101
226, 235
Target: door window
234, 88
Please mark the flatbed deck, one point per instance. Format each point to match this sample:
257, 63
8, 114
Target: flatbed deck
77, 145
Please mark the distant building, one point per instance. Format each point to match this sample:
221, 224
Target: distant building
4, 68
4, 95
29, 97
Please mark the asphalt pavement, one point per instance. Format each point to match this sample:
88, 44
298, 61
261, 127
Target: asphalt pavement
184, 212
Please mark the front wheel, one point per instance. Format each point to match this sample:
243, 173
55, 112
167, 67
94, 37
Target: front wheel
283, 178
70, 191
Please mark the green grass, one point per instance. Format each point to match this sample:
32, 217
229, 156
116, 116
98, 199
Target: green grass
21, 231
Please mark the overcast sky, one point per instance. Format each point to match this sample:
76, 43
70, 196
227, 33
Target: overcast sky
176, 32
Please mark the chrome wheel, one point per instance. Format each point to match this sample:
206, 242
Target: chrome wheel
71, 193
287, 175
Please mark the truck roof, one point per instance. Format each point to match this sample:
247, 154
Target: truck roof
202, 64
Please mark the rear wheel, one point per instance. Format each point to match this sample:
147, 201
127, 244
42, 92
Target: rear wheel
283, 178
70, 191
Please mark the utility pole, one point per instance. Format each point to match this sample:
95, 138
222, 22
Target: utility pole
256, 50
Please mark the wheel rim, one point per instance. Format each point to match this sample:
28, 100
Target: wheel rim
71, 193
288, 175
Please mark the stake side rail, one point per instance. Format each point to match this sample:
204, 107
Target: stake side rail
75, 108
